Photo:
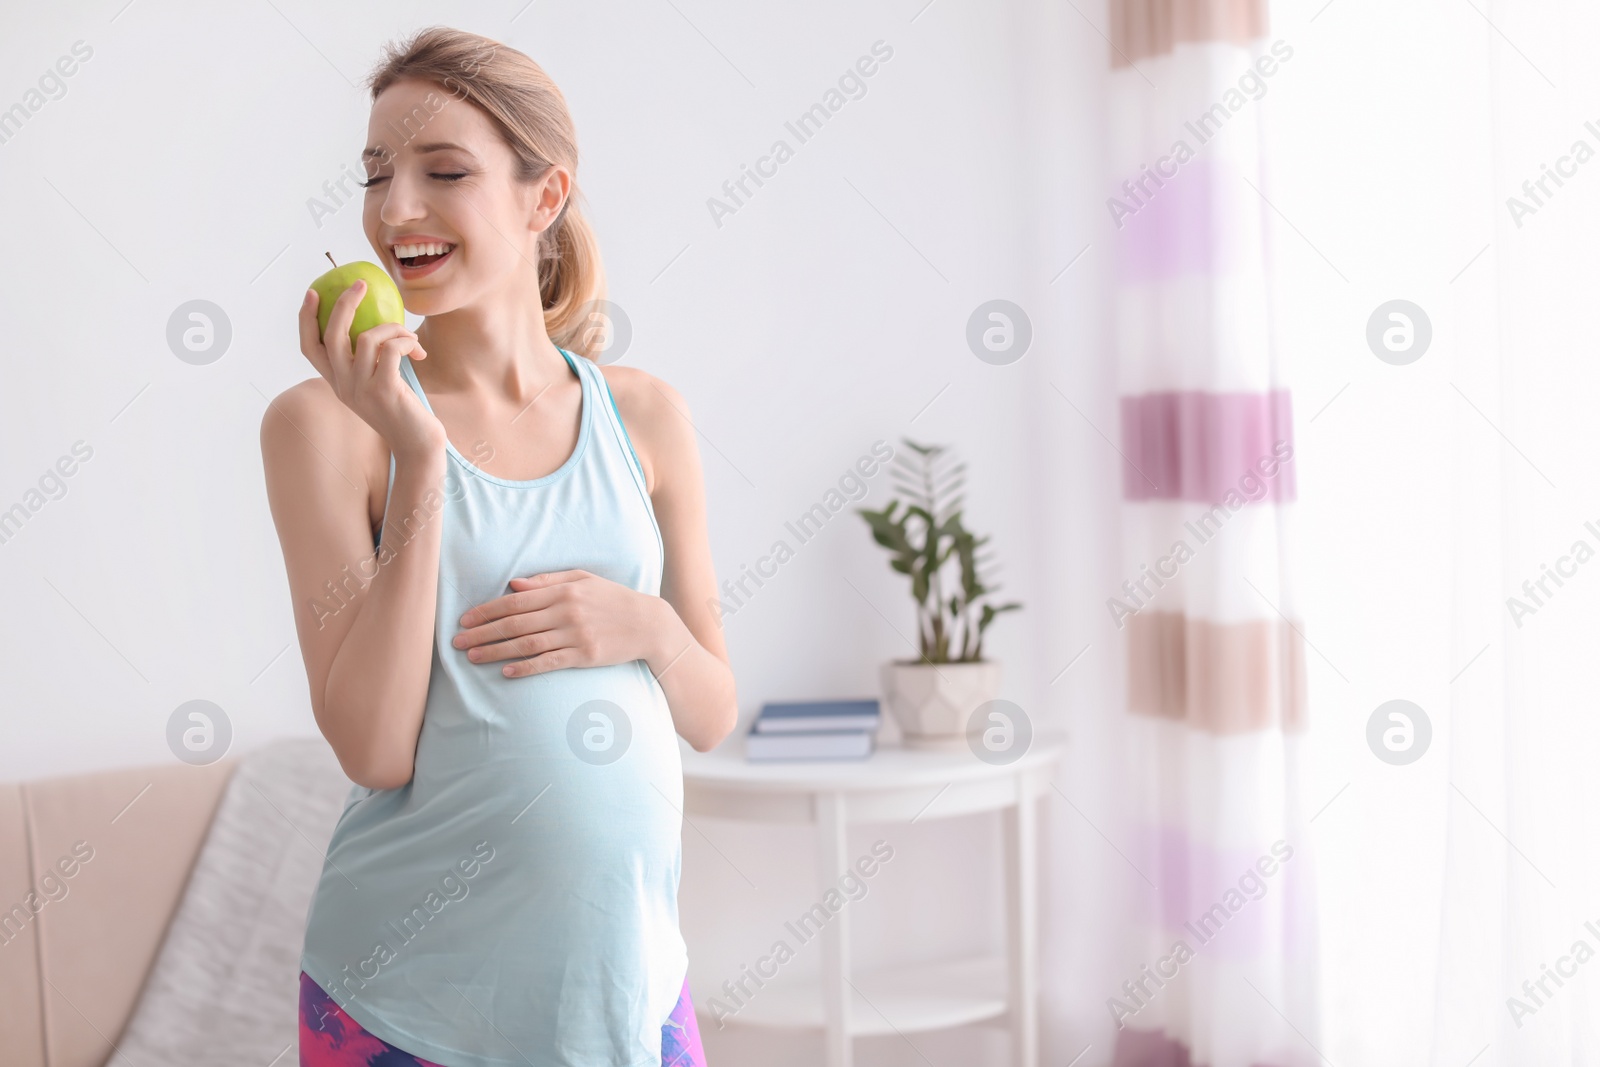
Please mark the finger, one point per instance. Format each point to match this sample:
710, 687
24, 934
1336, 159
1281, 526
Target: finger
504, 629
490, 610
524, 647
536, 593
388, 368
310, 338
521, 601
554, 660
390, 339
368, 340
336, 338
538, 581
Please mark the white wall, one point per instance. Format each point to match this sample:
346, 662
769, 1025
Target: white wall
808, 325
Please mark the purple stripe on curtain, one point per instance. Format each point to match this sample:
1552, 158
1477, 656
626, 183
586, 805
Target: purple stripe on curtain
1219, 448
1168, 226
1152, 1048
1225, 903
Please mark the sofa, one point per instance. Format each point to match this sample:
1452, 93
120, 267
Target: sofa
152, 916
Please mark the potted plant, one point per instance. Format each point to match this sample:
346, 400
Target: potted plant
933, 695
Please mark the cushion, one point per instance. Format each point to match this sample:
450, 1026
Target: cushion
225, 985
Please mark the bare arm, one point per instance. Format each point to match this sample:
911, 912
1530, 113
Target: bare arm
365, 619
367, 663
688, 656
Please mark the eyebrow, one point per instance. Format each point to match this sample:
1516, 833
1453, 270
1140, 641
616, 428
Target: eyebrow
421, 149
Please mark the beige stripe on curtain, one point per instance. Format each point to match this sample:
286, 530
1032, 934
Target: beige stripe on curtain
1144, 28
1223, 678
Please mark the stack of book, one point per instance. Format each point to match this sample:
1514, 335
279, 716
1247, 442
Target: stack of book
813, 730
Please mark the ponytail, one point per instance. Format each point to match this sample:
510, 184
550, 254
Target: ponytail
571, 280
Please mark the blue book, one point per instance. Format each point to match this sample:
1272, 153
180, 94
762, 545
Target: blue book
813, 716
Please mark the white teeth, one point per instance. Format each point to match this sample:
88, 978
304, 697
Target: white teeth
430, 249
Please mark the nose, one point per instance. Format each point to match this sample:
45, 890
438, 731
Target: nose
402, 201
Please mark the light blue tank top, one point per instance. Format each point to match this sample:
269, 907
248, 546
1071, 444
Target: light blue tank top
516, 902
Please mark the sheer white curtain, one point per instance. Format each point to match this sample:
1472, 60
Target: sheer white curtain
1449, 155
1520, 926
1446, 541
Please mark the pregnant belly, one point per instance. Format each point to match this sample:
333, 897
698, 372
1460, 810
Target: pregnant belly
581, 765
533, 860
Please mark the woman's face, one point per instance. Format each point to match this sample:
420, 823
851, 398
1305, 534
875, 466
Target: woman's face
439, 173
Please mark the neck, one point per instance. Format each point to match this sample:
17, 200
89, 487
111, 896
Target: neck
500, 350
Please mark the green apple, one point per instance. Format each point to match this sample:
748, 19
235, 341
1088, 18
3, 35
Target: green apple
381, 303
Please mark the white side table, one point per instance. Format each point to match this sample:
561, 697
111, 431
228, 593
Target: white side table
893, 785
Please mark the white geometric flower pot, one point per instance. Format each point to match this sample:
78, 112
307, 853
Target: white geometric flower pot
932, 702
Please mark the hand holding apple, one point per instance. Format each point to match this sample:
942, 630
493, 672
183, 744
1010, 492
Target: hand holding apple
365, 375
381, 303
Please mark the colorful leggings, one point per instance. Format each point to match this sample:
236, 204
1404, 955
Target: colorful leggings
330, 1038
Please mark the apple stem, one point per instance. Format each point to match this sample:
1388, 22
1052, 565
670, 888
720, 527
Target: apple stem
331, 259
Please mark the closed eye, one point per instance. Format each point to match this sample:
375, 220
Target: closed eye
383, 178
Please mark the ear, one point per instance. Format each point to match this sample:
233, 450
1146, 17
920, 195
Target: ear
550, 194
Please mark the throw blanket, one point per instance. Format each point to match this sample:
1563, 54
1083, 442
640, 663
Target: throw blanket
225, 985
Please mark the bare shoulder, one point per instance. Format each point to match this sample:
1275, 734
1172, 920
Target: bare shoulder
300, 404
310, 414
307, 432
657, 419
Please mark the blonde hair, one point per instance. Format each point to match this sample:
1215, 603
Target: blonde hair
531, 115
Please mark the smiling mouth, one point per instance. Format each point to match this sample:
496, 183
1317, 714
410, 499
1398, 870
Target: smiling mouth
425, 259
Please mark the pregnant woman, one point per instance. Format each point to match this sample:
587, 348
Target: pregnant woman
503, 650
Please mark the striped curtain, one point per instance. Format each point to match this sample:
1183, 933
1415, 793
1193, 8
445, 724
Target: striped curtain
1221, 973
